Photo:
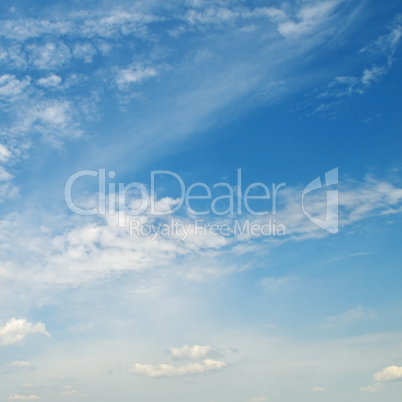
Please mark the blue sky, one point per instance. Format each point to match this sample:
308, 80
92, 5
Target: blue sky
277, 92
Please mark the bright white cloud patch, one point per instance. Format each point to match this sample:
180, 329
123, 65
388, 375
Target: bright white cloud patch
5, 153
10, 86
52, 80
190, 352
16, 330
166, 370
390, 373
308, 18
134, 75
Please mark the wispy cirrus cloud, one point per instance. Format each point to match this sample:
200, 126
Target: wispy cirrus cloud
347, 85
96, 248
308, 18
349, 317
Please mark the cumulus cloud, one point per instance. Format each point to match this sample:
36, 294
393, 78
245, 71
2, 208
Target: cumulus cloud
10, 86
52, 80
53, 120
134, 75
16, 330
390, 373
166, 370
49, 56
190, 352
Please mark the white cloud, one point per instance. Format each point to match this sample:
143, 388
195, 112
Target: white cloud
5, 153
308, 18
17, 366
17, 397
351, 316
7, 190
190, 352
372, 389
348, 85
390, 373
81, 24
16, 330
20, 364
372, 74
134, 75
50, 81
388, 43
54, 114
51, 119
318, 389
84, 51
10, 86
97, 248
259, 399
271, 284
13, 56
4, 175
166, 370
68, 390
49, 56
